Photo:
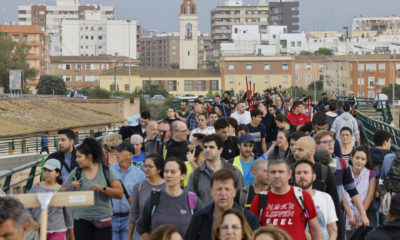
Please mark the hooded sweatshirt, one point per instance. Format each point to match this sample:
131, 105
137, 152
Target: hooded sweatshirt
345, 120
332, 116
377, 156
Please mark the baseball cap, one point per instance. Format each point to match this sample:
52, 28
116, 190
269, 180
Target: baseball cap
246, 138
52, 164
124, 146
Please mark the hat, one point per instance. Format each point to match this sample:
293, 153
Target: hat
52, 164
124, 146
246, 138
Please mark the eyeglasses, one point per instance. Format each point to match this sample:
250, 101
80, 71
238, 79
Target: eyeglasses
234, 227
186, 130
148, 166
328, 142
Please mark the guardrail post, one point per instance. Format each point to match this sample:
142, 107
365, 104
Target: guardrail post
36, 145
23, 146
30, 180
7, 182
10, 148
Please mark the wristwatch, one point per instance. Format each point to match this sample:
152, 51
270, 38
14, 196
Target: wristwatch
103, 189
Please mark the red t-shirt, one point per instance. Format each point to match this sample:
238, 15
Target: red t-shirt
284, 211
297, 120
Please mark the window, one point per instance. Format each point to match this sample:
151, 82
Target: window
360, 81
188, 85
285, 66
78, 67
104, 67
92, 78
78, 78
67, 78
214, 85
172, 85
100, 28
297, 66
201, 85
25, 38
249, 66
126, 87
231, 80
267, 66
60, 66
371, 94
308, 77
381, 82
15, 37
308, 66
382, 67
371, 67
100, 37
91, 37
266, 80
360, 67
231, 66
296, 78
321, 67
371, 81
285, 79
67, 66
41, 20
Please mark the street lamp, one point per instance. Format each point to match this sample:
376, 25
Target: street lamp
129, 55
115, 74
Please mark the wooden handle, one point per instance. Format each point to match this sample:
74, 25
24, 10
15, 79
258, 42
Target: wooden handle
43, 225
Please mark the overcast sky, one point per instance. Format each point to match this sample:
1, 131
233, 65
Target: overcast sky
163, 14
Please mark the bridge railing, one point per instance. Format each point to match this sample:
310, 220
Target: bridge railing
28, 172
372, 125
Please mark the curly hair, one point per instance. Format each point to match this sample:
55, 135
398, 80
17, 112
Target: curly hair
111, 140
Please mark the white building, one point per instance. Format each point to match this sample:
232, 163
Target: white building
97, 35
50, 18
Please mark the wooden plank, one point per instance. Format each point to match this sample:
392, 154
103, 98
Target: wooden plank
60, 199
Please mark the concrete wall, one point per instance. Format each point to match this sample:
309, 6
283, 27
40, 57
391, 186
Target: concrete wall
121, 108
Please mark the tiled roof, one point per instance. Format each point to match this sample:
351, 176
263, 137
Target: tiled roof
164, 72
29, 116
107, 58
20, 29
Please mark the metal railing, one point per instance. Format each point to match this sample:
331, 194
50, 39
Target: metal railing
372, 125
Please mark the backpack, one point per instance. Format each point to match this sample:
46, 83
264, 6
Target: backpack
106, 173
394, 177
155, 201
298, 193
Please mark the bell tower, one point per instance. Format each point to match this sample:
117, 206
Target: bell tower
188, 39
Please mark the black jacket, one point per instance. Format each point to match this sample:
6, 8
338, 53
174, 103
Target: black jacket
176, 149
271, 130
200, 226
61, 157
389, 231
128, 131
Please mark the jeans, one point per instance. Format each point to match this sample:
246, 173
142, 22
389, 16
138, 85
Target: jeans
120, 228
85, 230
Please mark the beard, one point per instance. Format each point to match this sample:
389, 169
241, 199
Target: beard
304, 185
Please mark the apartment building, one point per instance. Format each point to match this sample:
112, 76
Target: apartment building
264, 14
379, 25
175, 81
162, 50
365, 75
96, 35
50, 17
263, 71
308, 69
84, 71
38, 56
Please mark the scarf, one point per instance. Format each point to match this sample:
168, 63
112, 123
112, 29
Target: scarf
362, 185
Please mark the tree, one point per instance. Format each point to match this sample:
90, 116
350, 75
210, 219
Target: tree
305, 53
323, 51
174, 66
389, 92
51, 84
13, 56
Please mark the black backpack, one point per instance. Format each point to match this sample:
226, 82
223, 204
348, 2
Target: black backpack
394, 177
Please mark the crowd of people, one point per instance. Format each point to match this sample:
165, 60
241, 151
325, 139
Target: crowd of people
268, 167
